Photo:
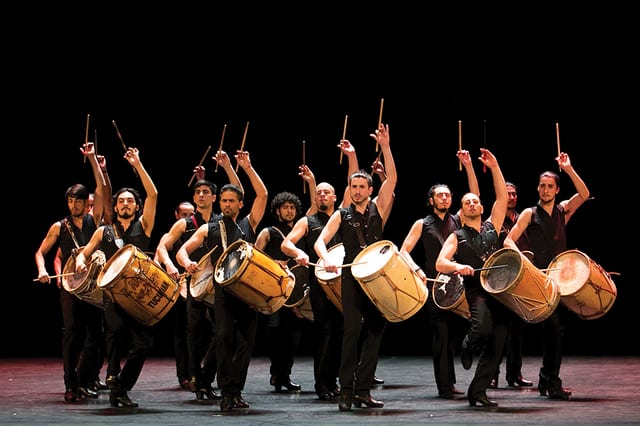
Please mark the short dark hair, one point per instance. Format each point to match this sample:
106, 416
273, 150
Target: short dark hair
78, 191
204, 182
234, 188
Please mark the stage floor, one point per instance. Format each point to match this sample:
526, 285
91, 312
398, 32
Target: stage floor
606, 390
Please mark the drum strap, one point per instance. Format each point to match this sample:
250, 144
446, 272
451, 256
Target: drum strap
223, 235
70, 230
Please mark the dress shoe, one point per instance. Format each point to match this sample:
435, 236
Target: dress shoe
207, 393
286, 382
346, 401
518, 381
226, 403
84, 392
117, 398
466, 356
112, 381
359, 400
377, 381
446, 394
335, 391
555, 390
70, 395
98, 385
493, 384
483, 400
239, 402
325, 396
192, 385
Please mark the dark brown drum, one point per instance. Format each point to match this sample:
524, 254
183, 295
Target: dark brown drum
448, 294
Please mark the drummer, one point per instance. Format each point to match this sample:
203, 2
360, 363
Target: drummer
82, 321
545, 225
472, 245
200, 328
236, 322
126, 337
360, 224
432, 230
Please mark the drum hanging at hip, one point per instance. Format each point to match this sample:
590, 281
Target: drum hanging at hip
138, 285
84, 285
448, 294
254, 277
331, 282
388, 280
510, 277
585, 288
201, 281
299, 301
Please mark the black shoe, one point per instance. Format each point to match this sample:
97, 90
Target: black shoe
466, 357
117, 398
336, 391
325, 396
98, 385
493, 384
70, 395
112, 381
239, 402
359, 400
84, 392
446, 394
192, 385
377, 381
518, 381
207, 392
555, 390
226, 403
278, 384
346, 400
483, 400
184, 383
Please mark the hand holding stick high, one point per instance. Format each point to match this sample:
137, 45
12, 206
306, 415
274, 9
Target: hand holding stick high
379, 119
86, 137
244, 138
460, 142
304, 183
558, 140
344, 134
200, 164
224, 129
122, 142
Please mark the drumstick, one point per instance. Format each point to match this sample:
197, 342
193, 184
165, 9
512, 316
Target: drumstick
204, 157
246, 128
491, 267
550, 269
379, 119
344, 133
460, 142
484, 142
57, 276
317, 265
86, 137
304, 186
224, 129
558, 140
122, 142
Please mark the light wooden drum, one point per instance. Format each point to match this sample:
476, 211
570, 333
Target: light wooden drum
331, 282
387, 278
84, 285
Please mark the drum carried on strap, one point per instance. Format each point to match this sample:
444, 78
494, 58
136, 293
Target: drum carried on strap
201, 281
387, 278
448, 294
83, 284
331, 282
138, 285
254, 277
299, 301
585, 288
510, 277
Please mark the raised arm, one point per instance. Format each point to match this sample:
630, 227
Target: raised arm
582, 194
98, 202
499, 209
386, 194
310, 179
262, 195
151, 200
222, 158
350, 151
472, 179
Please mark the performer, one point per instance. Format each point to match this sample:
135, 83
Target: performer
446, 326
82, 321
360, 224
545, 226
126, 336
236, 322
464, 252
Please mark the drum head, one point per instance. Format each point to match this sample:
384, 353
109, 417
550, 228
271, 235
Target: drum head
336, 255
115, 266
229, 266
507, 263
371, 260
570, 270
201, 281
301, 288
447, 290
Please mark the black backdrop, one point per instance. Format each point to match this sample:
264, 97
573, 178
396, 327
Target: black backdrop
171, 93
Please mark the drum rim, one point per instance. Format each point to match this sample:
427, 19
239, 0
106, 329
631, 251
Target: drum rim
365, 251
108, 264
220, 262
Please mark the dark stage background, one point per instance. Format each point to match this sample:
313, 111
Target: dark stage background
171, 92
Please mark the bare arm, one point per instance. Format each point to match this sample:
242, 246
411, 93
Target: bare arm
518, 229
350, 151
386, 194
151, 200
260, 203
499, 209
408, 245
320, 246
309, 178
472, 179
166, 243
288, 245
196, 240
45, 247
262, 239
98, 202
582, 194
222, 158
445, 262
87, 251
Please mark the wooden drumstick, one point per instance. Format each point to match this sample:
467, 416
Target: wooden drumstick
86, 138
224, 129
558, 140
460, 142
304, 186
122, 142
344, 134
244, 138
57, 276
317, 265
491, 267
204, 157
379, 119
